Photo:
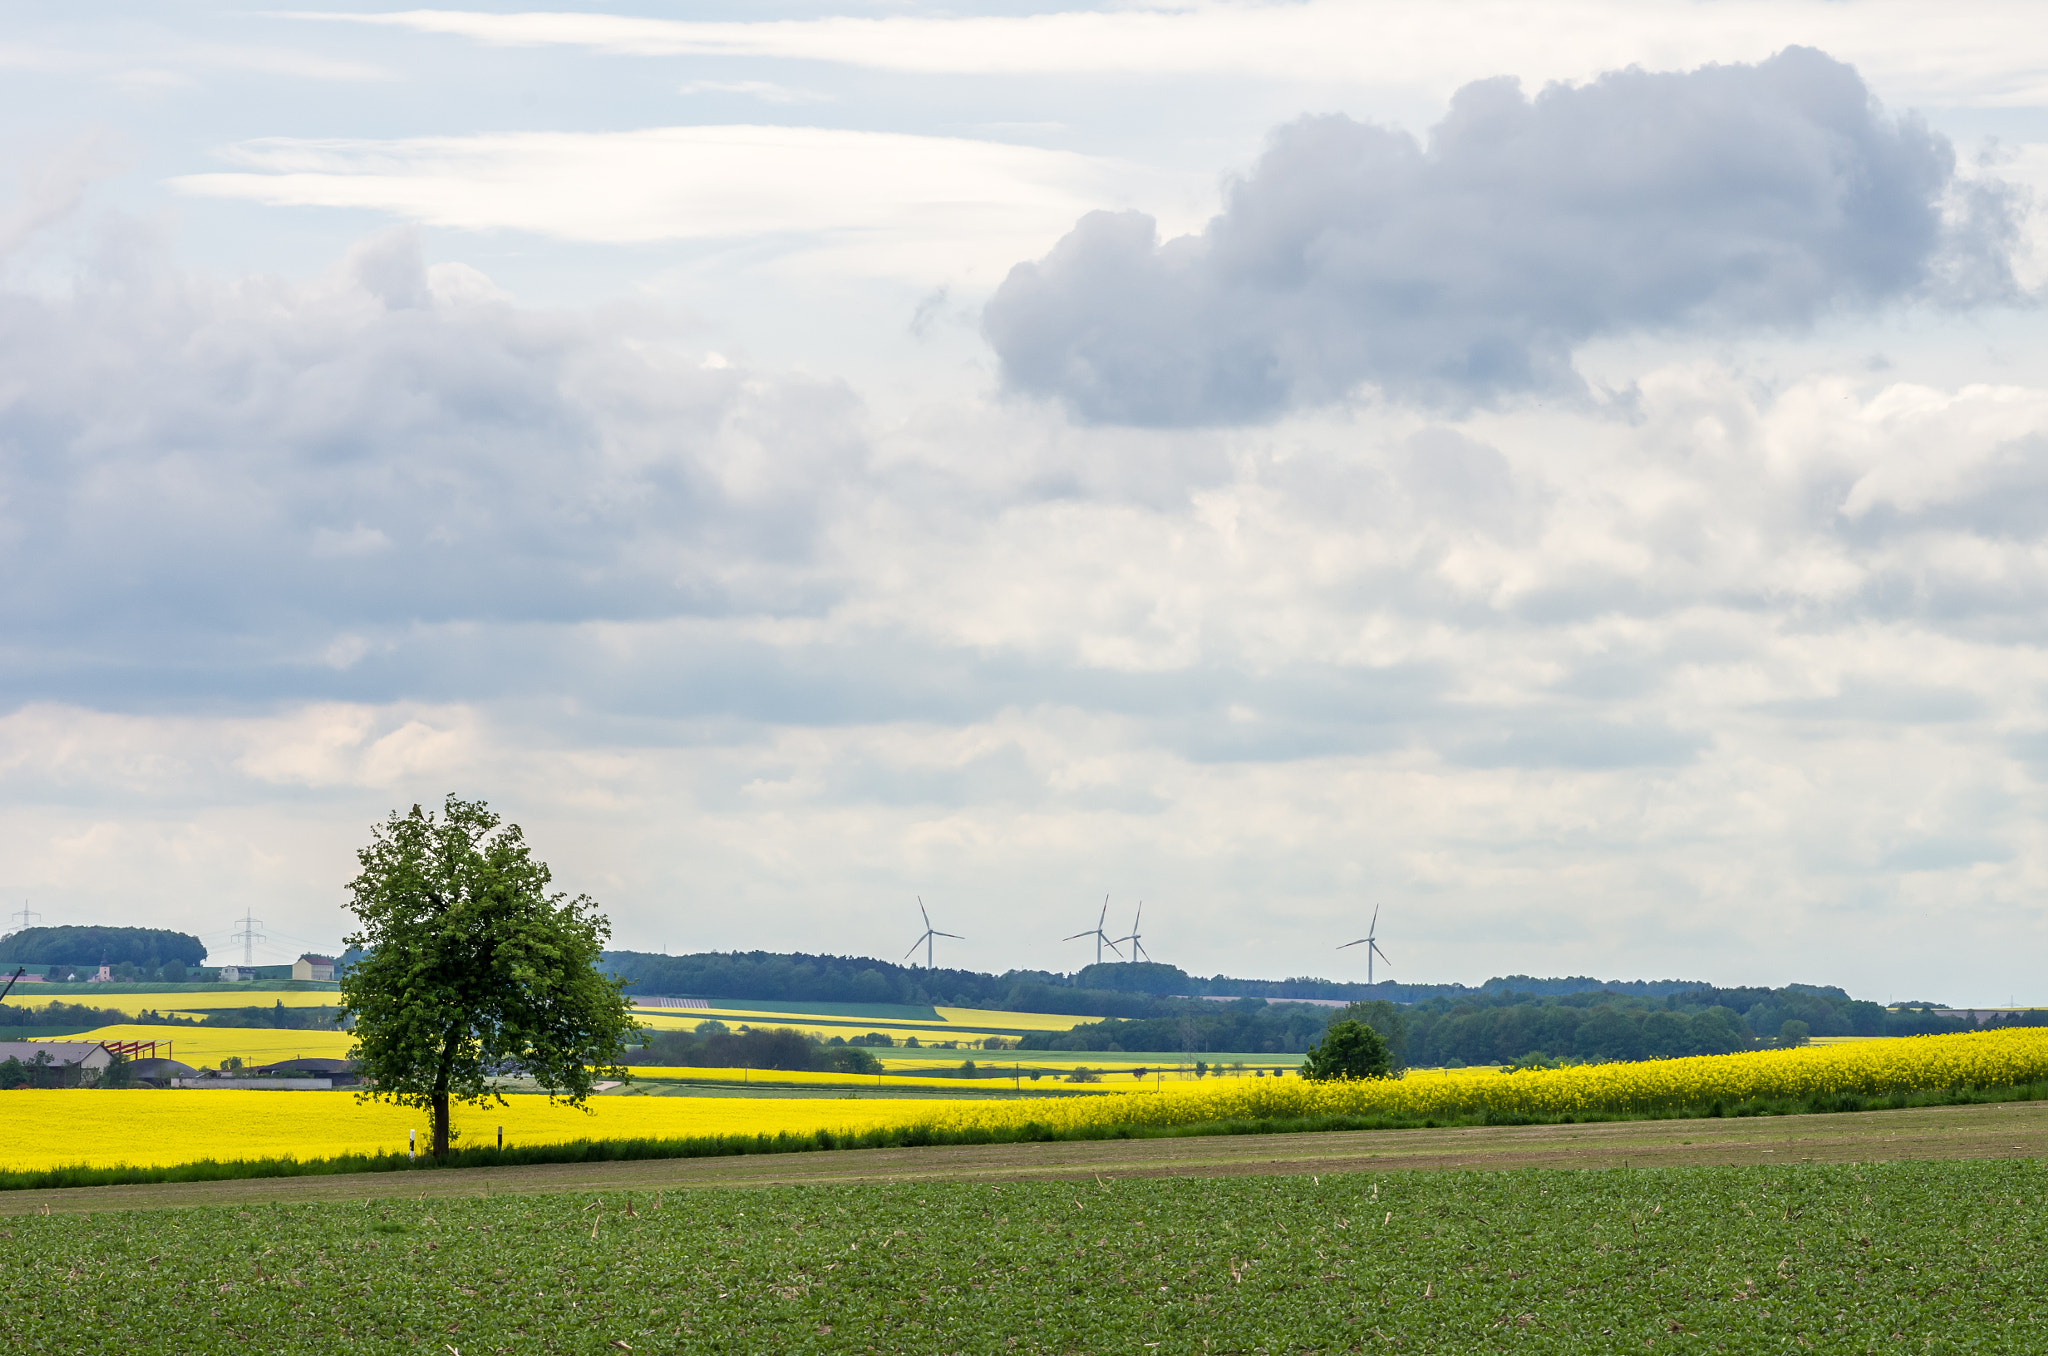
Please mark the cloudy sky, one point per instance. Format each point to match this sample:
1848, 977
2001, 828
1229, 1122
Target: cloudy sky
1573, 475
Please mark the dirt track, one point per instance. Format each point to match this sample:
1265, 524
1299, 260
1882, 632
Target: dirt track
2017, 1130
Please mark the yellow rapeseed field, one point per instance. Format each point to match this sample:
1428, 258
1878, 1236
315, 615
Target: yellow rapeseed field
854, 1082
181, 1000
48, 1128
209, 1045
1869, 1068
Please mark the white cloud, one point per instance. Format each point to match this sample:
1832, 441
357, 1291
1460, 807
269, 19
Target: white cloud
767, 91
1977, 53
913, 205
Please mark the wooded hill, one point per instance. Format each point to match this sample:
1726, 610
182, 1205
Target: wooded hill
148, 948
1511, 1028
1108, 990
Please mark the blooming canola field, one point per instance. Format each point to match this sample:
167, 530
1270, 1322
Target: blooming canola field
51, 1128
209, 1045
178, 1000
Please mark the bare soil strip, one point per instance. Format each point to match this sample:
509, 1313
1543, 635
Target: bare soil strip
2015, 1130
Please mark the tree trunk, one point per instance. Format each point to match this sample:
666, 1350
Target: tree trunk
440, 1125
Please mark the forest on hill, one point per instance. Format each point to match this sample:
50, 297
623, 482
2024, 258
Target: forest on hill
146, 948
1521, 1028
1115, 989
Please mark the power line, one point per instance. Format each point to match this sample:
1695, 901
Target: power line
25, 914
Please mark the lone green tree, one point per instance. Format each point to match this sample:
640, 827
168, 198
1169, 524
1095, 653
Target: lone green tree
1348, 1049
470, 963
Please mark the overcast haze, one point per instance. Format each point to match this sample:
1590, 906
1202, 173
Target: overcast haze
1575, 476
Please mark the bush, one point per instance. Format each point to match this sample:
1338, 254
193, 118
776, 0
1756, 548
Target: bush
1349, 1049
853, 1059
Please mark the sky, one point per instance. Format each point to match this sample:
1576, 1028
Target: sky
1573, 478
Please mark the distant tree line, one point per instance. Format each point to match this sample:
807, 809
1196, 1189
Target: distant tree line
1250, 1025
1507, 1027
75, 1015
1521, 1028
1114, 989
714, 1046
142, 948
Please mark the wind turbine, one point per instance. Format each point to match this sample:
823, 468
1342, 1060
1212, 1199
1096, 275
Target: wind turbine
1137, 947
1371, 944
1099, 935
929, 933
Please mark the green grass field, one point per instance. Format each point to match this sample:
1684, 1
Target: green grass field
1919, 1257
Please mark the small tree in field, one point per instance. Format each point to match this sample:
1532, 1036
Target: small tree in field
470, 964
1348, 1050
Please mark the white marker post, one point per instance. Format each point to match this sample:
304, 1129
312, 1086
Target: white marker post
501, 1138
412, 1146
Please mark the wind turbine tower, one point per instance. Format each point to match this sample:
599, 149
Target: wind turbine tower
929, 933
1371, 945
1137, 947
1099, 935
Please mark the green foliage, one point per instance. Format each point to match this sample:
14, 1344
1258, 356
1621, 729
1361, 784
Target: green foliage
854, 1059
1794, 1032
1691, 1259
94, 946
1385, 1018
276, 1017
75, 1015
1251, 1025
471, 966
1349, 1049
712, 1046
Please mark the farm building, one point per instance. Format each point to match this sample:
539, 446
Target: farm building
313, 967
55, 1064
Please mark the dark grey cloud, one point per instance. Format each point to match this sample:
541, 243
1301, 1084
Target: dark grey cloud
1468, 266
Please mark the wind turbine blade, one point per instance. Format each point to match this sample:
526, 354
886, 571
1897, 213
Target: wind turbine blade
1383, 955
913, 948
1360, 940
920, 909
1112, 947
954, 935
1105, 914
1076, 936
1375, 921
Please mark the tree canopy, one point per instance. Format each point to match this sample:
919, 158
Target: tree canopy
92, 946
471, 967
1349, 1049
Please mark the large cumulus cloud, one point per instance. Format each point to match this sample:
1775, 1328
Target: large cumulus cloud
1470, 265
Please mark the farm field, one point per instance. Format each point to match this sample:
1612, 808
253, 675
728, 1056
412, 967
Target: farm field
133, 999
2002, 1130
1916, 1256
1066, 1061
106, 1128
931, 1025
54, 1127
845, 1082
209, 1045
